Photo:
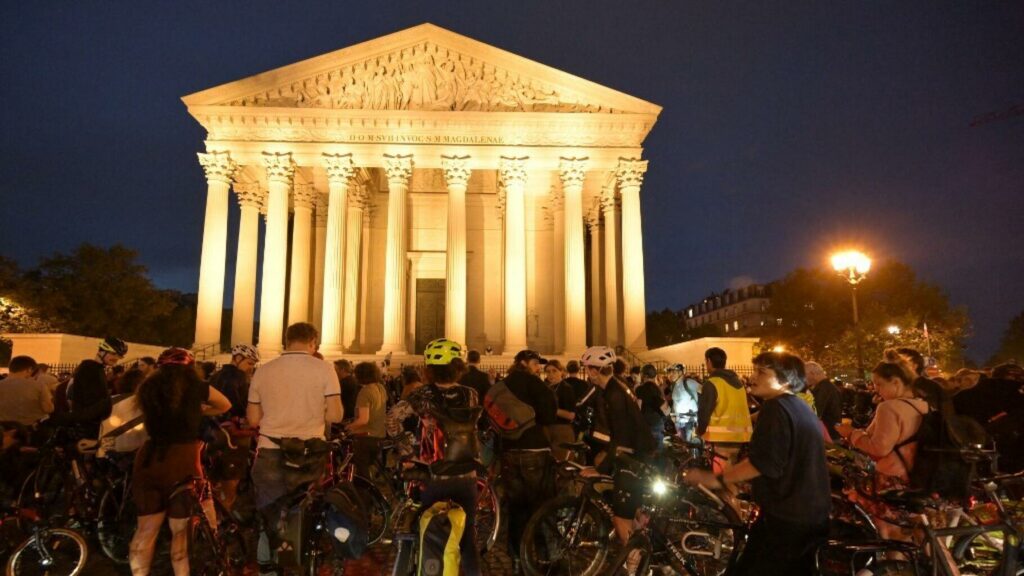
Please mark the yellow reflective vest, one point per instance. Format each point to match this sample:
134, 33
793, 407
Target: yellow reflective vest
730, 421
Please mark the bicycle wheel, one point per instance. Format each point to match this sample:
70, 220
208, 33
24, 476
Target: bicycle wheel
378, 510
488, 517
700, 539
982, 554
633, 559
566, 536
50, 552
205, 556
116, 524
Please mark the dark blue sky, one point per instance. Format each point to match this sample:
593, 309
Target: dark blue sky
788, 127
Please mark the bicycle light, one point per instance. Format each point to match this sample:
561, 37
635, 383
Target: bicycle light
659, 488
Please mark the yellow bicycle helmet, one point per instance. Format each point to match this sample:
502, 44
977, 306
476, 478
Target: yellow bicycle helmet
441, 352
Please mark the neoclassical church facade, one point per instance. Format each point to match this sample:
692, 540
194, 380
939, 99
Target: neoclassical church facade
419, 185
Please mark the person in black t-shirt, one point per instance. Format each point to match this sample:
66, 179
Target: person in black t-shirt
173, 401
565, 410
231, 458
474, 377
653, 406
526, 462
787, 470
827, 400
88, 393
349, 387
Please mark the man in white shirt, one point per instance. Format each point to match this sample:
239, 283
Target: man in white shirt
685, 392
294, 396
23, 398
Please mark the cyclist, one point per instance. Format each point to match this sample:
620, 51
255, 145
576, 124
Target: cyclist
173, 401
628, 434
292, 398
230, 438
723, 415
88, 393
448, 414
368, 424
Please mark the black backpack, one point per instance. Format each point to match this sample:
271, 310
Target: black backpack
941, 466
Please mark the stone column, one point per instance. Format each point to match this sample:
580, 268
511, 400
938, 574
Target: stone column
303, 198
456, 174
399, 170
610, 212
320, 238
513, 176
597, 315
630, 174
339, 174
250, 199
555, 213
280, 170
219, 170
572, 172
353, 265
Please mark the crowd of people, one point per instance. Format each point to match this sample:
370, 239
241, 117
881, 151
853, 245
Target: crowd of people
769, 428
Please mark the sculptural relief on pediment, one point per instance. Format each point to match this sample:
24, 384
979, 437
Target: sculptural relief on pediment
424, 76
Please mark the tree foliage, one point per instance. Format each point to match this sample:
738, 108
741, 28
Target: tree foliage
664, 328
97, 291
815, 308
1011, 346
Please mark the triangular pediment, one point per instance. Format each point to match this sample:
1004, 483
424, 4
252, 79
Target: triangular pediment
424, 68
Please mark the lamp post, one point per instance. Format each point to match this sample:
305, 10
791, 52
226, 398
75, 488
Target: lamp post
853, 266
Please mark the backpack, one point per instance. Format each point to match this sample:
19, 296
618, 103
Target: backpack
509, 415
441, 528
940, 467
347, 520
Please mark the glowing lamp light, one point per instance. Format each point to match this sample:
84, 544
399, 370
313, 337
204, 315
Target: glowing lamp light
893, 329
779, 349
851, 260
659, 488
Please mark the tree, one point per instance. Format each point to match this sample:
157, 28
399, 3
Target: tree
1011, 346
663, 328
812, 308
97, 291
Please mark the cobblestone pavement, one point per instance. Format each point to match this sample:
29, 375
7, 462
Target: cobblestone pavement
376, 562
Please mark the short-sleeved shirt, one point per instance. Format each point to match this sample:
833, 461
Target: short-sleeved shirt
372, 396
182, 424
788, 449
21, 400
292, 390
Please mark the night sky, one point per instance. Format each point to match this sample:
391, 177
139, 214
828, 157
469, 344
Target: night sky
789, 128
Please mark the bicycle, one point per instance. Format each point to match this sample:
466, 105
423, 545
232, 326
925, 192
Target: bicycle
206, 553
48, 551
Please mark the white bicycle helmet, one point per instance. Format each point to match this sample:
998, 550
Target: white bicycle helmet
598, 357
246, 351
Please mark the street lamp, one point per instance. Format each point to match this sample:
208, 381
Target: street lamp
853, 266
893, 330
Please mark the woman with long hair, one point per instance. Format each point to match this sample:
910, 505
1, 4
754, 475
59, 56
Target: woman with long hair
173, 401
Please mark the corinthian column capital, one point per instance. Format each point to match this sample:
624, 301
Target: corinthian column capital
630, 171
320, 215
304, 196
218, 166
572, 171
279, 166
609, 200
249, 194
513, 170
339, 167
456, 170
557, 198
398, 169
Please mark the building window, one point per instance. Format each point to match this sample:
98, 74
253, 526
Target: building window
762, 323
735, 324
690, 312
778, 321
726, 327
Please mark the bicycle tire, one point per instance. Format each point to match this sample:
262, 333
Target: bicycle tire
24, 560
640, 544
115, 525
974, 552
551, 524
205, 556
378, 508
488, 517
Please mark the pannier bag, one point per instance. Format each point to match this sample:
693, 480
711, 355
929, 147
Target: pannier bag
509, 415
346, 521
441, 528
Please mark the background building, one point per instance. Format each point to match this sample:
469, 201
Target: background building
742, 312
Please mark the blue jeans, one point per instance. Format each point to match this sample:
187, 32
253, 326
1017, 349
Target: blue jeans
463, 492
